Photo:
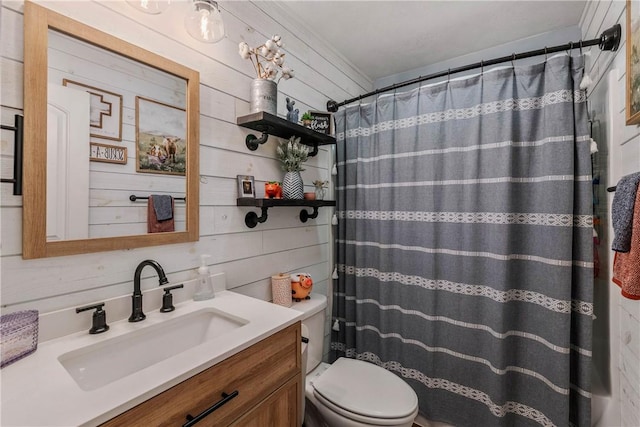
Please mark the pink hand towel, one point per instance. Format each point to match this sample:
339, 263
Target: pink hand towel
626, 265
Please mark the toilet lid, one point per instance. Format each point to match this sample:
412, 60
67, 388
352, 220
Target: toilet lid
366, 389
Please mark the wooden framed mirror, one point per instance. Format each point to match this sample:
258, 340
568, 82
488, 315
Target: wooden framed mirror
160, 99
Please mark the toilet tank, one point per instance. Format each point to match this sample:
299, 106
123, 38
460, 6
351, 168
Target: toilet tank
313, 327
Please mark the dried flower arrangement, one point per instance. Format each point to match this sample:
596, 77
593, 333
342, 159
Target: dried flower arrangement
292, 154
267, 59
320, 184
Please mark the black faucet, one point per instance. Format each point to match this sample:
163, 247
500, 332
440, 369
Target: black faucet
136, 299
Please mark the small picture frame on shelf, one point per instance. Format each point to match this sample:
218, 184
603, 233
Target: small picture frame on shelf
246, 187
322, 122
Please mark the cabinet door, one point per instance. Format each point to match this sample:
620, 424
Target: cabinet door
278, 410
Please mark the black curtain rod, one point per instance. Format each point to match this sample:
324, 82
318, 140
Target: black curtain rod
608, 40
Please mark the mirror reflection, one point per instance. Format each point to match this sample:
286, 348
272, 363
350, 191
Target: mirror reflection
115, 128
111, 142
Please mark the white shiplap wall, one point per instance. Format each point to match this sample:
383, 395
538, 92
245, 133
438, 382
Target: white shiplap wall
620, 153
248, 256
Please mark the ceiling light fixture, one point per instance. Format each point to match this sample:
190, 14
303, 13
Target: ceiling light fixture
204, 22
152, 7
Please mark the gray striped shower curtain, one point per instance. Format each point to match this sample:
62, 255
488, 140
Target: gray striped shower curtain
464, 244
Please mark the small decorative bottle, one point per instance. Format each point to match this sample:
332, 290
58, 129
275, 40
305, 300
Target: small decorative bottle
319, 189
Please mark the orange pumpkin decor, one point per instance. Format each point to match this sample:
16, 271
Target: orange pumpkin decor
272, 190
301, 284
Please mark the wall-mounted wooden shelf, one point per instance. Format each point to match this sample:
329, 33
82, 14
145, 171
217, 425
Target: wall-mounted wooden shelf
252, 219
269, 124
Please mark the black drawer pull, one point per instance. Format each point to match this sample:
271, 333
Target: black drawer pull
191, 420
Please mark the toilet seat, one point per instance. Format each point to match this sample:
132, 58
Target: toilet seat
365, 392
369, 421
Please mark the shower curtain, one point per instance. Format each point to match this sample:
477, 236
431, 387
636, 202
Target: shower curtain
464, 244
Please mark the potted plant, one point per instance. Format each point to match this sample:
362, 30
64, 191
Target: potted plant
267, 60
319, 188
306, 119
292, 154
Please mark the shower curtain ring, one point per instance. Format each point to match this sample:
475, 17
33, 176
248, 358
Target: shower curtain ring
570, 48
448, 75
545, 54
580, 47
482, 67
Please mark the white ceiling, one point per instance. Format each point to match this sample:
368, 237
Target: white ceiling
382, 38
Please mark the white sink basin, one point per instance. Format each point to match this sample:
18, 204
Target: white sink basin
97, 365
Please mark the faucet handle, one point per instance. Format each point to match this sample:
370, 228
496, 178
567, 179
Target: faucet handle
99, 324
167, 299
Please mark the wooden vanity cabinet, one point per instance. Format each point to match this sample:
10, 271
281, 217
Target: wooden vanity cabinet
267, 377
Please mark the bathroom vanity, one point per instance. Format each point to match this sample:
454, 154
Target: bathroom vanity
235, 353
266, 378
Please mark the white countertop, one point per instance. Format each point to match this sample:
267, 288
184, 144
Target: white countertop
38, 391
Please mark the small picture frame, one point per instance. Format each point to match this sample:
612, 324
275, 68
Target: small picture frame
322, 121
246, 187
107, 153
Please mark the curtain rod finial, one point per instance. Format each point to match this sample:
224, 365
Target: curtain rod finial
332, 106
610, 38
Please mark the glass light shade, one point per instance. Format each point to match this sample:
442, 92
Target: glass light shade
204, 22
152, 7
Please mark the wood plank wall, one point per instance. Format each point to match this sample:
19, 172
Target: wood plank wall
248, 256
620, 154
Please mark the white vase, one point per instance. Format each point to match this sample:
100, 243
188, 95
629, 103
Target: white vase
264, 96
292, 186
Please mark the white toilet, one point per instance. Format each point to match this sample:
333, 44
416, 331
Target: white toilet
349, 392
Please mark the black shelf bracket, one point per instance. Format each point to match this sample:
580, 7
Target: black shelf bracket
304, 215
254, 142
252, 219
314, 152
17, 155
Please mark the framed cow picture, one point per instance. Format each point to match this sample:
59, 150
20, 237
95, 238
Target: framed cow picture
161, 145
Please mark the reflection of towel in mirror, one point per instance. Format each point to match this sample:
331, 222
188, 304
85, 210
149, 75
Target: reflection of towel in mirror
622, 211
156, 210
626, 265
163, 206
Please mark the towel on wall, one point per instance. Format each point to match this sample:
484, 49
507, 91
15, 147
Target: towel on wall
622, 212
626, 266
163, 210
163, 205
